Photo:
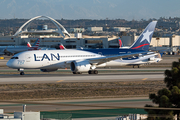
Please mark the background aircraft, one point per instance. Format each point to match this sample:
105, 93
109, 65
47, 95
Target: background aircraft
2, 51
35, 45
61, 46
121, 44
86, 60
17, 49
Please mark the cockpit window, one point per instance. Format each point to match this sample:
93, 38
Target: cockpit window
14, 58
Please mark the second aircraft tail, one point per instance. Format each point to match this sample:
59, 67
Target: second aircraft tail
144, 40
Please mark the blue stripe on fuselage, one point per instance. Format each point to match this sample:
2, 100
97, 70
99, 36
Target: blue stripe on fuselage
107, 52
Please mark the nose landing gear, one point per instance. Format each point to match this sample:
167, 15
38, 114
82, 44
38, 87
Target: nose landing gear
21, 71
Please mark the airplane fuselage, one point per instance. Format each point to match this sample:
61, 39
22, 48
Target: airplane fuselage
48, 59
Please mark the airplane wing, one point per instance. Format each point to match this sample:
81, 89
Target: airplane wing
1, 53
9, 51
145, 57
101, 60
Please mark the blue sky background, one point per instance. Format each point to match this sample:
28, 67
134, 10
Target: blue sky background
90, 9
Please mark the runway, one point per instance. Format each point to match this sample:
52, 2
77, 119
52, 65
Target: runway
102, 77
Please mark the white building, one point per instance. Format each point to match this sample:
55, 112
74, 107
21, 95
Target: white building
95, 29
121, 29
76, 30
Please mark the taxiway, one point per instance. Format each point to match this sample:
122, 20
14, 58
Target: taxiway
102, 77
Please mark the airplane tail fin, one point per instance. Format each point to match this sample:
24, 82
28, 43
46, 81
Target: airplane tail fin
120, 42
61, 46
28, 45
144, 40
36, 44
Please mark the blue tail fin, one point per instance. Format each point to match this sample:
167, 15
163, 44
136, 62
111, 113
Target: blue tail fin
144, 40
36, 43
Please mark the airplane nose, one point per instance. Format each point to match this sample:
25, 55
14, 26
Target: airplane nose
8, 63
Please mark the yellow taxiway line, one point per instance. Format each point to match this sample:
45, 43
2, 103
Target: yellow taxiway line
145, 79
60, 81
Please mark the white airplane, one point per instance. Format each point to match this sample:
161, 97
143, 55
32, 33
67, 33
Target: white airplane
86, 60
17, 49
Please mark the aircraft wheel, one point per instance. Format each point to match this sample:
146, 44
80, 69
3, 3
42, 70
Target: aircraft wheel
95, 72
21, 73
74, 72
90, 72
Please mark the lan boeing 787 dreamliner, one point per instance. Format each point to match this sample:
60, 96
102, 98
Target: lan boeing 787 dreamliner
87, 60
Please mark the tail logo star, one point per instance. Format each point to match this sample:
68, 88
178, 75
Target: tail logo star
146, 36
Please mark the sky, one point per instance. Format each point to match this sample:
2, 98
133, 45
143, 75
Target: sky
90, 9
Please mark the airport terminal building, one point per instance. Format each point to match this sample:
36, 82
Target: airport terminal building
53, 37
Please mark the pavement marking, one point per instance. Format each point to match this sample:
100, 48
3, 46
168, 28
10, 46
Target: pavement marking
60, 81
145, 79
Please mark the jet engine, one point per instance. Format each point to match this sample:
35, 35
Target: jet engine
48, 70
80, 66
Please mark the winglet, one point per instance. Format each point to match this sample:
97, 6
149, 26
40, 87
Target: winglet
144, 40
120, 42
61, 46
28, 45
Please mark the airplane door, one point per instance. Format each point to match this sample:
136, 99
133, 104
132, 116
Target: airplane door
28, 58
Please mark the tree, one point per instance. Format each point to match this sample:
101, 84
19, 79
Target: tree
167, 97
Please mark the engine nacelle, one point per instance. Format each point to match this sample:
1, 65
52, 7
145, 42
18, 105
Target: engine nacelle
80, 66
48, 70
151, 59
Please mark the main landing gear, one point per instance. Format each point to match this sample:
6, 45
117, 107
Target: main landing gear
137, 65
77, 73
93, 72
90, 72
21, 71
